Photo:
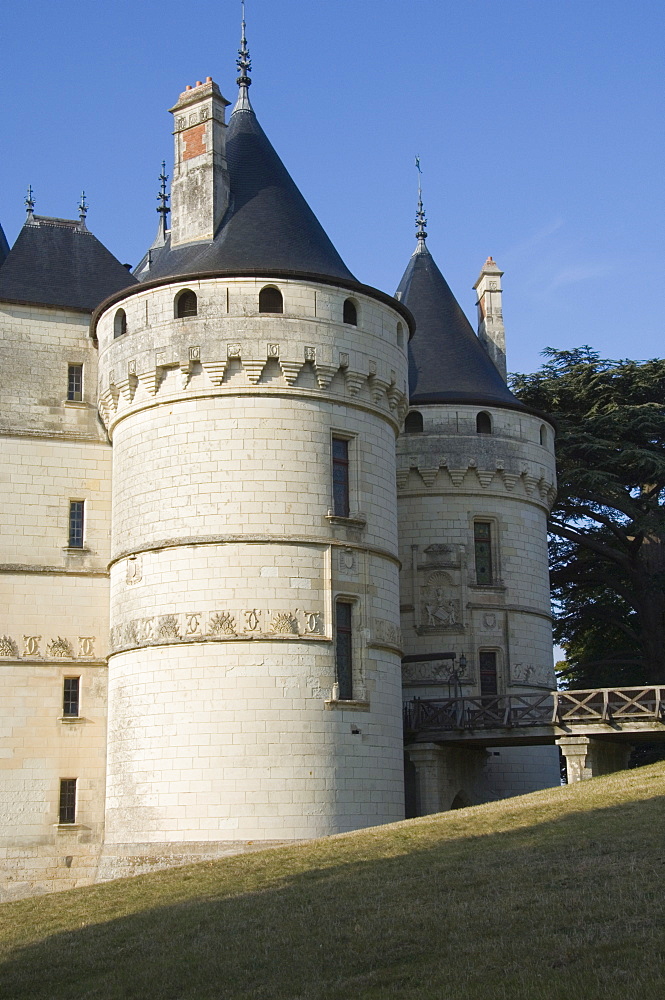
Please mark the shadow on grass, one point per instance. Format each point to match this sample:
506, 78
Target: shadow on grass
560, 909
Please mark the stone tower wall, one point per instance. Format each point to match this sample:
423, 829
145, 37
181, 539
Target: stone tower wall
449, 477
53, 600
227, 558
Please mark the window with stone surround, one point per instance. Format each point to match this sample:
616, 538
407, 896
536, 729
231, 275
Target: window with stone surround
483, 423
76, 523
543, 435
67, 812
489, 682
350, 312
186, 304
119, 323
270, 300
344, 649
70, 696
482, 546
75, 383
413, 423
340, 477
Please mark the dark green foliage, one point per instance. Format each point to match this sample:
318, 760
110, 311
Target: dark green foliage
608, 524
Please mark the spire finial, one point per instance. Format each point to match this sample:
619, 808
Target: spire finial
30, 203
83, 210
421, 221
163, 198
244, 64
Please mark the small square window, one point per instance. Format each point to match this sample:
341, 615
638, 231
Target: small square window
67, 800
70, 696
75, 383
76, 516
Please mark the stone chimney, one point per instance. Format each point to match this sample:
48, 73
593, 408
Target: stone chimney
491, 332
200, 188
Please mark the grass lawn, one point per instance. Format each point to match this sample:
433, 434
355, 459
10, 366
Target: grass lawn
556, 895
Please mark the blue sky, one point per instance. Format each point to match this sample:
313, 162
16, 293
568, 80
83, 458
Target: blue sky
539, 127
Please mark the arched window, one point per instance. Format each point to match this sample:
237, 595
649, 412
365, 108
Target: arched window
413, 423
483, 423
119, 323
270, 300
400, 335
350, 312
543, 435
186, 304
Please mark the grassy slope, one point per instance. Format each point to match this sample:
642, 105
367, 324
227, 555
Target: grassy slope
557, 894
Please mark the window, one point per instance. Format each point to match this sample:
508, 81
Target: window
413, 423
543, 435
340, 477
186, 304
483, 423
75, 383
343, 650
488, 676
350, 314
400, 335
270, 300
482, 544
76, 509
67, 800
70, 697
119, 323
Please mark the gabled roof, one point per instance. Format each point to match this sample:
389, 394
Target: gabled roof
4, 246
268, 225
447, 362
58, 262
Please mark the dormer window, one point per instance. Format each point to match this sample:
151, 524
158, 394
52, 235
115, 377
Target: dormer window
119, 323
270, 300
413, 423
350, 314
483, 423
186, 304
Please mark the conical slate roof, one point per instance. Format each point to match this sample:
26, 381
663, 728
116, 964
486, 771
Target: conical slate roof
447, 362
268, 225
58, 262
4, 245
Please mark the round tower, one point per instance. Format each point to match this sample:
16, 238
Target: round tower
476, 479
252, 390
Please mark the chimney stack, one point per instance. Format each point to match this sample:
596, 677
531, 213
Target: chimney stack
491, 332
200, 188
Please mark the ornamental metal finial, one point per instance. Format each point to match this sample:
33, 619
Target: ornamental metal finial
163, 199
244, 63
421, 221
30, 203
83, 210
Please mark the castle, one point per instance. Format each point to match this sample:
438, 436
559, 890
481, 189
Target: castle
250, 504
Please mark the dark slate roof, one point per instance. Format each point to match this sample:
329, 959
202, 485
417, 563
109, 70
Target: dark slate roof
57, 262
268, 225
447, 362
4, 245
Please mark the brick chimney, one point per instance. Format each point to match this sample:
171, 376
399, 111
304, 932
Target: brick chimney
491, 332
200, 188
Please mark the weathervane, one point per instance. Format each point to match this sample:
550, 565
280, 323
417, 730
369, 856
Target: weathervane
30, 203
421, 221
244, 63
83, 210
163, 199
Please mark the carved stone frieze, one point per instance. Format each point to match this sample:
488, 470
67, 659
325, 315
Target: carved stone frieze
196, 626
440, 607
430, 672
387, 632
57, 648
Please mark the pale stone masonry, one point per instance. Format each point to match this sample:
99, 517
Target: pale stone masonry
218, 576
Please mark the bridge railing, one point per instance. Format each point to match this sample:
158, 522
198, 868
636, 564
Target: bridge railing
546, 708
